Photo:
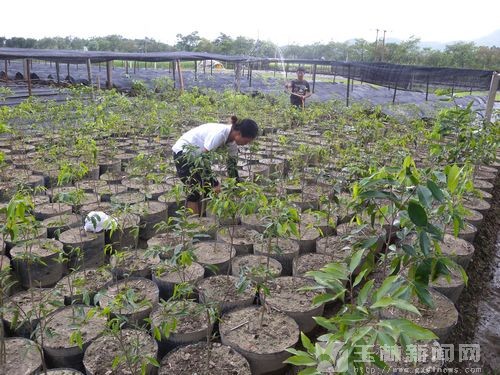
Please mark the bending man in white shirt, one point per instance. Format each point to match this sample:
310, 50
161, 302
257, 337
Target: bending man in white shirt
195, 174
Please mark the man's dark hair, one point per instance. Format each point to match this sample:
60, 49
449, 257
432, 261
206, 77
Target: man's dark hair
301, 69
248, 128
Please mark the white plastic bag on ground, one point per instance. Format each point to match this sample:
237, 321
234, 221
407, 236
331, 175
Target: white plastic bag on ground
96, 221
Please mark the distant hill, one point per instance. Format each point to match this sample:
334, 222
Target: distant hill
489, 40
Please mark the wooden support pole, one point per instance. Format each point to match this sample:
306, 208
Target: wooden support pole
58, 72
495, 79
195, 70
135, 66
427, 89
6, 72
237, 77
126, 67
211, 67
28, 73
89, 72
109, 82
314, 77
173, 74
181, 80
204, 66
453, 86
67, 68
250, 70
348, 84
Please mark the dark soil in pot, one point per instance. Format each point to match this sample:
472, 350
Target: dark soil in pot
107, 191
337, 247
46, 210
474, 217
468, 233
153, 191
113, 178
86, 249
307, 239
192, 324
223, 290
214, 256
476, 203
243, 238
57, 224
96, 206
168, 276
441, 319
23, 357
450, 288
282, 249
460, 250
64, 371
142, 295
36, 262
197, 359
151, 214
133, 263
207, 228
304, 201
126, 233
263, 345
61, 324
22, 310
36, 231
127, 199
254, 267
285, 296
81, 286
133, 183
164, 244
127, 343
90, 186
483, 185
310, 262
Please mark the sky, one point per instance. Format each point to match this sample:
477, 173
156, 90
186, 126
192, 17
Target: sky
281, 22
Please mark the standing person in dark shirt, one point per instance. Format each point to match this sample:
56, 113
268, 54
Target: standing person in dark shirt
299, 89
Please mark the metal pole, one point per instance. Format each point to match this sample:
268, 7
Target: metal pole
495, 79
195, 70
395, 90
211, 67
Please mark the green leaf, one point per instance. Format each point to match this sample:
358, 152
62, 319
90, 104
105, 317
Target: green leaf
417, 214
411, 329
385, 287
355, 260
424, 196
453, 178
437, 193
363, 293
325, 323
423, 294
408, 249
425, 243
359, 278
306, 343
301, 360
